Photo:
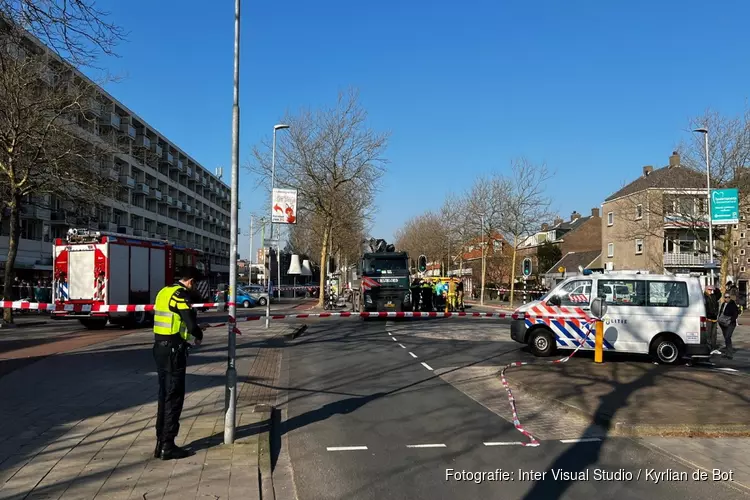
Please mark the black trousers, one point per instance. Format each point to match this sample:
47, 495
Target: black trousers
171, 361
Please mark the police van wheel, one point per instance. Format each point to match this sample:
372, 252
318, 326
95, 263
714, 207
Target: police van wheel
542, 343
667, 349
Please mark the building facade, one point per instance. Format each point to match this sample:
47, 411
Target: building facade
163, 193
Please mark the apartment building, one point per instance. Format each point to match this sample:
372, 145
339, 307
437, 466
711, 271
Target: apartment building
580, 234
163, 193
658, 222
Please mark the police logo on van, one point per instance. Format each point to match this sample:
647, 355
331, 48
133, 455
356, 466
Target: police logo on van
615, 321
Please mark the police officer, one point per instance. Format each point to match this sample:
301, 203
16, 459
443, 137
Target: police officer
175, 323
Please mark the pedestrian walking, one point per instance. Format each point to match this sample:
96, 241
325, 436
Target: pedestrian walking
728, 321
175, 324
712, 313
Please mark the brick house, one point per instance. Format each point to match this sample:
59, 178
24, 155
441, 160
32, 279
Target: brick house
579, 234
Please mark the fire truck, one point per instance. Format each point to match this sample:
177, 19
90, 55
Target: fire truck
95, 268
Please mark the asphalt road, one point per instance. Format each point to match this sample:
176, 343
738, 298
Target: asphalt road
368, 417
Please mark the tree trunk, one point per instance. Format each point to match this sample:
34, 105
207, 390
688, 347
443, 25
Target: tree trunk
513, 276
324, 264
13, 240
726, 247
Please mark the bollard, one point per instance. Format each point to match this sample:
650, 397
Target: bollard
599, 342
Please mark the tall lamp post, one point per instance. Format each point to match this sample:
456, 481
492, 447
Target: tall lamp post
484, 264
704, 131
276, 127
230, 403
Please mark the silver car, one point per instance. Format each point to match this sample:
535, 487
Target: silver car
259, 293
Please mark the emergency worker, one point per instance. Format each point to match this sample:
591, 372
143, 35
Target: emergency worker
175, 324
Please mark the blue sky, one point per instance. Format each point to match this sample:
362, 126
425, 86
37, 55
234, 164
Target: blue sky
594, 89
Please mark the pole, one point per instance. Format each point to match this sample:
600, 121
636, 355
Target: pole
250, 270
599, 342
481, 298
231, 389
278, 262
710, 221
273, 184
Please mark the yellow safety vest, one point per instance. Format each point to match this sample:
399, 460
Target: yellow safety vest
167, 322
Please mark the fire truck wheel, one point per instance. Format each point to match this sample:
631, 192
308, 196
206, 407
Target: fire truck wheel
262, 301
94, 323
139, 319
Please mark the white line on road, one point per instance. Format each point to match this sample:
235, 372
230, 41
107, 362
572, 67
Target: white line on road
412, 354
435, 445
346, 448
389, 333
727, 369
394, 339
426, 366
402, 346
508, 443
581, 440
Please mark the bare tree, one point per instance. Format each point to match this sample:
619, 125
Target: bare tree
333, 159
425, 234
44, 152
76, 30
524, 204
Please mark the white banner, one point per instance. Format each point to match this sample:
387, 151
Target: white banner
284, 206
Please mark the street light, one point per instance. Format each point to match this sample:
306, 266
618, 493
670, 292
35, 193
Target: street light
276, 127
484, 268
704, 131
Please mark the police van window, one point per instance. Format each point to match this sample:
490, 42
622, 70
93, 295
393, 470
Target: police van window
668, 294
622, 292
575, 293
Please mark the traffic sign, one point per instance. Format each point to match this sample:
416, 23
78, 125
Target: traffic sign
561, 269
725, 206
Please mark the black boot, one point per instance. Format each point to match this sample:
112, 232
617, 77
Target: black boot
170, 451
157, 450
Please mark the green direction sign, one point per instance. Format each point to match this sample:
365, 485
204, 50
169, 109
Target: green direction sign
725, 206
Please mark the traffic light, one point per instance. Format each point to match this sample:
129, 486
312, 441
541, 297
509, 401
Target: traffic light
422, 265
527, 267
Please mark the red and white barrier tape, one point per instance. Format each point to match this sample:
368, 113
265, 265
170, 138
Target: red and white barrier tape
41, 306
512, 401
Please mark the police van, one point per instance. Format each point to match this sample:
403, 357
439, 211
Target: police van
664, 316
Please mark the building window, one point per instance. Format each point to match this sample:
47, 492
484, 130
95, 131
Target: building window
639, 211
611, 250
742, 236
736, 226
736, 260
638, 247
748, 261
610, 218
735, 243
742, 269
742, 252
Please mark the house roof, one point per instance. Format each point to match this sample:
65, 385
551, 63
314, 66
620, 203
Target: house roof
572, 260
676, 177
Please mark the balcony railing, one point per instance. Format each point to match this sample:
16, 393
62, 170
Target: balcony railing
168, 157
128, 181
156, 194
156, 149
142, 188
128, 130
143, 141
685, 259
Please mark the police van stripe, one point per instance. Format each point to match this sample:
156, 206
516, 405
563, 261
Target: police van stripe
568, 333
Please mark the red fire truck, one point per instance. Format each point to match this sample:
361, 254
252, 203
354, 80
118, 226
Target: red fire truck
94, 268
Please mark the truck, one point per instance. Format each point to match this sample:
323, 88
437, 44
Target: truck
97, 268
383, 279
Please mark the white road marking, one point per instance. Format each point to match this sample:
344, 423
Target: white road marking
389, 333
394, 339
346, 448
727, 370
435, 445
510, 443
581, 440
426, 366
402, 346
412, 354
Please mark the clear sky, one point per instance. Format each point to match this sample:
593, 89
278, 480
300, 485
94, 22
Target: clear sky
594, 89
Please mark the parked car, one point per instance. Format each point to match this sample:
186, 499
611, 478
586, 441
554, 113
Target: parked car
257, 292
243, 299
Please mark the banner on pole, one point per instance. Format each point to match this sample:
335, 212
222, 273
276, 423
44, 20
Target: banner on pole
725, 206
284, 206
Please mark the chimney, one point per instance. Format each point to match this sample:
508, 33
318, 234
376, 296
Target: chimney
545, 227
647, 170
674, 160
594, 212
575, 215
558, 221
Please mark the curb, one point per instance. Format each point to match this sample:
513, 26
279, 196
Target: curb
624, 429
265, 474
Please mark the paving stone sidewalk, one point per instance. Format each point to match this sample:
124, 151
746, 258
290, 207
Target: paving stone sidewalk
80, 425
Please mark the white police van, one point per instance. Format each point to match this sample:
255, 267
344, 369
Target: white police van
664, 316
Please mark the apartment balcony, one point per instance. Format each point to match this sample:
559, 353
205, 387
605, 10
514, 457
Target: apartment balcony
143, 142
108, 226
189, 172
111, 119
156, 194
170, 200
180, 205
204, 182
127, 181
31, 212
197, 175
685, 259
672, 221
180, 166
167, 158
188, 209
156, 149
94, 107
140, 232
142, 188
128, 130
113, 174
